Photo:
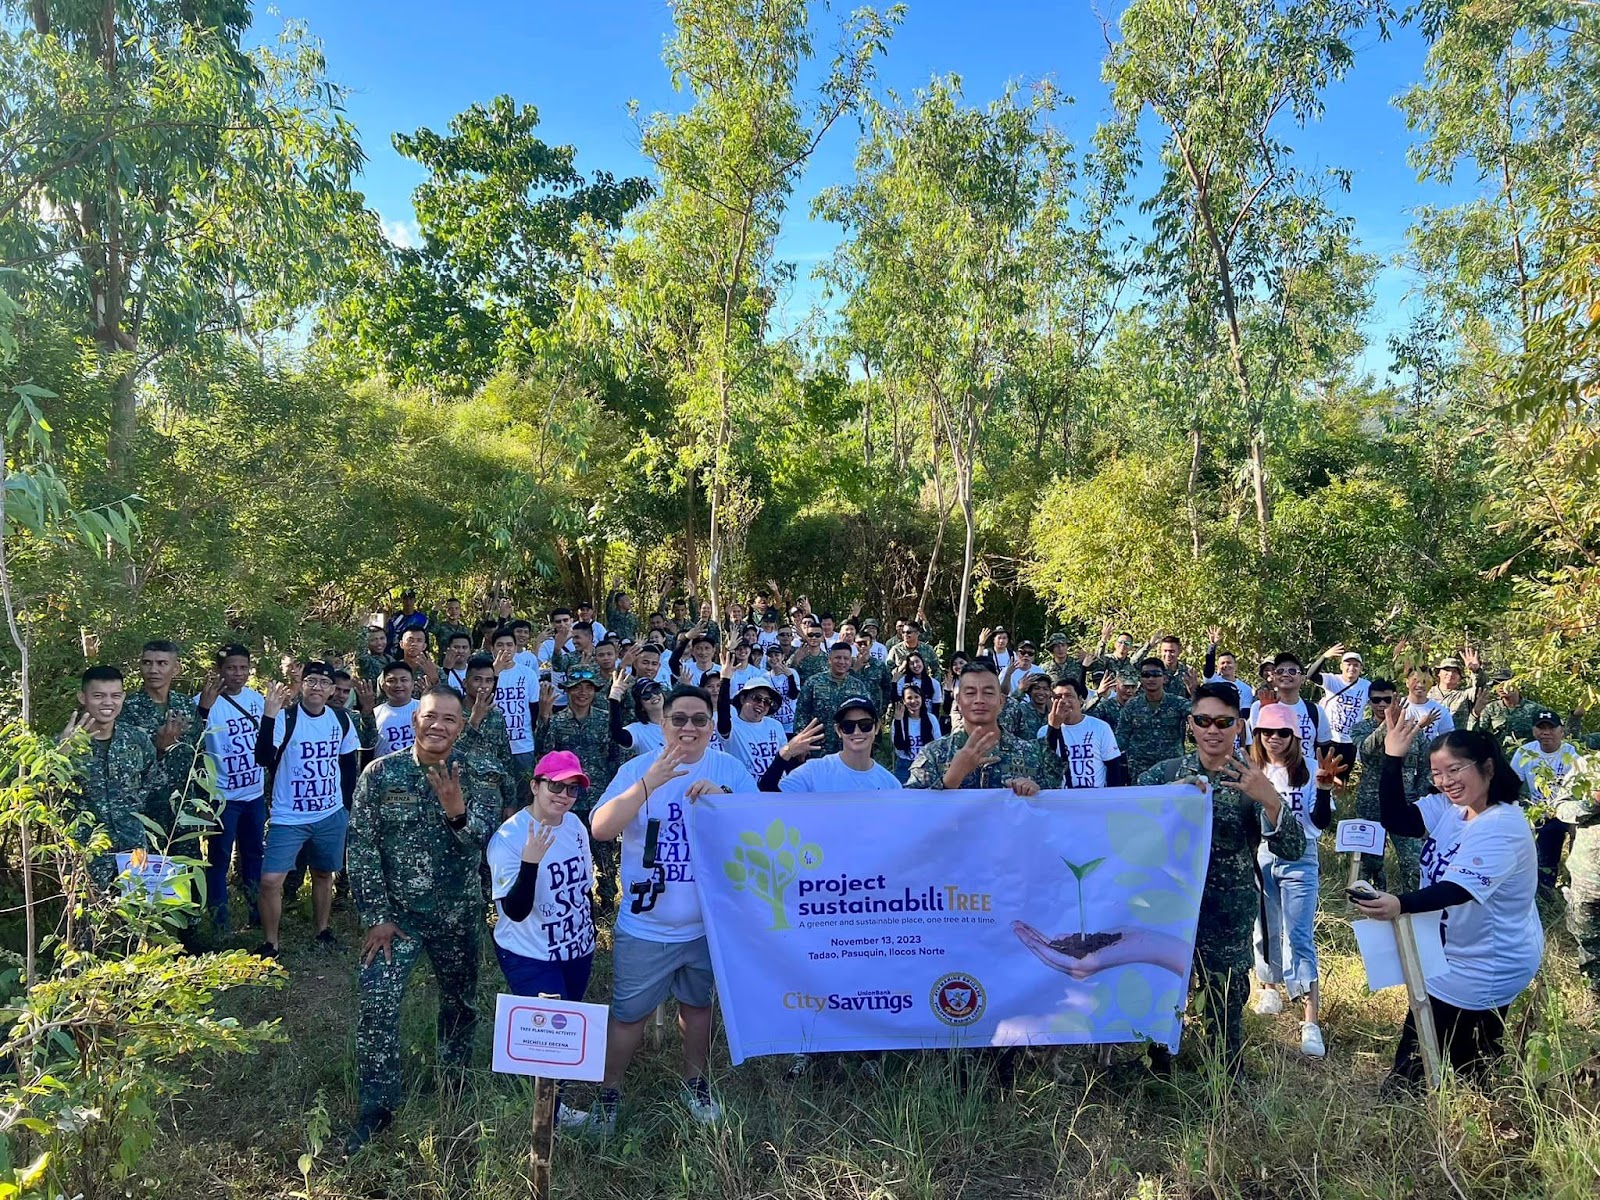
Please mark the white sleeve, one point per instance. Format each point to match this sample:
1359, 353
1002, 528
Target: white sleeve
504, 866
797, 780
1445, 724
738, 778
1486, 858
1105, 743
1434, 808
352, 741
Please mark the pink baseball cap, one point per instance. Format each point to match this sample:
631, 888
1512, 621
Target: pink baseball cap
560, 765
1277, 716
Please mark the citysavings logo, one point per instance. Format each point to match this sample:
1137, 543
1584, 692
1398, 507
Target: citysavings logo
958, 998
766, 864
884, 1001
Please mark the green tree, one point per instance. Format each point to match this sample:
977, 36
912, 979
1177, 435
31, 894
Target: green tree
162, 184
497, 214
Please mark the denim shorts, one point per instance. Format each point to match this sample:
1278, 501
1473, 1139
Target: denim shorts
326, 838
645, 972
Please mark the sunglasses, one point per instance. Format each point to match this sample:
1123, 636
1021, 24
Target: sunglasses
1152, 674
566, 787
856, 725
1275, 733
760, 698
680, 720
1206, 721
1378, 701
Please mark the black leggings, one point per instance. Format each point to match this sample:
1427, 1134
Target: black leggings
1470, 1037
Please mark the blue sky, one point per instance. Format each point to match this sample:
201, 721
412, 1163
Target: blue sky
410, 64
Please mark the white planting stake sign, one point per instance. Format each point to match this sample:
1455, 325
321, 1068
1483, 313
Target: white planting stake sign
1359, 837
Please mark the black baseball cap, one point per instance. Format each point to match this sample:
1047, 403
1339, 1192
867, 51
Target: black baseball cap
1546, 717
860, 702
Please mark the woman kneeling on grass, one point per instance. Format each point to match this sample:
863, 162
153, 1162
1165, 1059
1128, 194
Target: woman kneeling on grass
542, 870
1286, 947
1479, 866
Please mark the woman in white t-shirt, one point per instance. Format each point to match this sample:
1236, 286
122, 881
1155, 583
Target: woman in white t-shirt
915, 726
1286, 945
752, 734
1480, 869
644, 735
917, 675
785, 679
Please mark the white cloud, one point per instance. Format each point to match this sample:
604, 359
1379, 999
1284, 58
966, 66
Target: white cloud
403, 233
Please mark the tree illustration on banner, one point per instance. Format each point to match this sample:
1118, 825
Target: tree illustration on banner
767, 865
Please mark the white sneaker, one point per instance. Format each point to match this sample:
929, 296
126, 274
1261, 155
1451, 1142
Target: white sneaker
1311, 1044
570, 1119
601, 1120
697, 1099
1269, 1003
799, 1065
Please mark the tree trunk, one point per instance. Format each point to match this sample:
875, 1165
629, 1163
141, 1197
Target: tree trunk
691, 554
1258, 480
964, 491
1190, 490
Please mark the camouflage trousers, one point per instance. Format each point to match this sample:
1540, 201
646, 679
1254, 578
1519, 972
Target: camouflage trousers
1407, 853
451, 943
1583, 922
1222, 966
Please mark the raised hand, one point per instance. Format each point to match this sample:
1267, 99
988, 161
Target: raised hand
212, 689
1087, 659
983, 636
297, 673
1400, 731
665, 768
1470, 659
1107, 627
1058, 713
540, 838
366, 695
1107, 682
446, 784
169, 733
621, 680
1250, 780
481, 704
1214, 633
279, 696
504, 659
1191, 681
803, 742
81, 723
547, 694
974, 756
1331, 770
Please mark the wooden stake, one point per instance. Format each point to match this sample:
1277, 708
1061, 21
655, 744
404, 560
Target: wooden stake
544, 1130
1355, 869
1417, 993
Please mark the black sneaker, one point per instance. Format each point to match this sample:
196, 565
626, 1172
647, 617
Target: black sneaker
326, 941
267, 950
368, 1127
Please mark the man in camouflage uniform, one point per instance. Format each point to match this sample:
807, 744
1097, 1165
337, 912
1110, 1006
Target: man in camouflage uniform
453, 622
621, 620
1583, 893
167, 718
1367, 737
810, 657
983, 755
419, 822
1453, 691
821, 695
371, 661
1107, 702
118, 765
912, 643
1178, 672
1063, 664
872, 672
1150, 726
485, 738
1026, 712
583, 727
1509, 716
1245, 809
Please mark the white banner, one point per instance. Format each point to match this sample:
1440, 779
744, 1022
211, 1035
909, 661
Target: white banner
916, 920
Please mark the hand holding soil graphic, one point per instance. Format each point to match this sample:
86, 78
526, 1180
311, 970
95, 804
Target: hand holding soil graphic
1082, 955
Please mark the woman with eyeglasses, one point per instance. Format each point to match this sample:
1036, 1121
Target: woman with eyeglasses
1286, 946
1481, 870
643, 736
1246, 811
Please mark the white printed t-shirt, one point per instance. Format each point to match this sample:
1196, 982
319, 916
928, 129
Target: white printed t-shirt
831, 773
1343, 703
514, 690
1087, 747
395, 731
305, 787
1493, 946
676, 916
755, 743
230, 742
561, 926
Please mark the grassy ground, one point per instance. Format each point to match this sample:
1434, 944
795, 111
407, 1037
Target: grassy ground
1294, 1128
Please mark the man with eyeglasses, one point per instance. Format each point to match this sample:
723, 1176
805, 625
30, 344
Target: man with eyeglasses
873, 672
419, 822
659, 946
810, 658
821, 695
1150, 726
1246, 811
1368, 739
1288, 676
1121, 658
912, 643
982, 754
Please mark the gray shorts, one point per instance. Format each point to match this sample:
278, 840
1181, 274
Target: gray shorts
644, 972
327, 844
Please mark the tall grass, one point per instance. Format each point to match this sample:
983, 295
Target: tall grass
933, 1127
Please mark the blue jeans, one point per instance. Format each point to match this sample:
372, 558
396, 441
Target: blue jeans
244, 825
1286, 948
538, 977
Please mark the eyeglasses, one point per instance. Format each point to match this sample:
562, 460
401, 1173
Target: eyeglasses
1287, 672
1207, 721
856, 725
569, 787
1275, 733
680, 720
1449, 774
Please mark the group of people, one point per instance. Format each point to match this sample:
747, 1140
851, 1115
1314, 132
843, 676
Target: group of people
556, 766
